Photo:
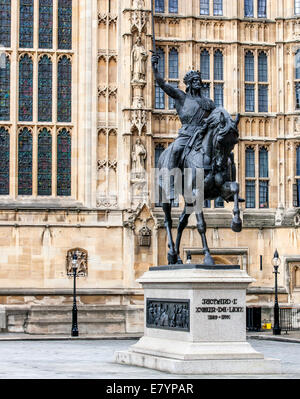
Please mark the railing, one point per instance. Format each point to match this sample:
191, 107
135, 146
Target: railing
289, 319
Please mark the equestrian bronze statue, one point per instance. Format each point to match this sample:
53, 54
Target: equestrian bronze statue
205, 141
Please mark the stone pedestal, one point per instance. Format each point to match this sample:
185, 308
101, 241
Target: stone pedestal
195, 323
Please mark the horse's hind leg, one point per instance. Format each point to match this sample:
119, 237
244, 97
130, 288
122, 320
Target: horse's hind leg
201, 227
172, 254
183, 221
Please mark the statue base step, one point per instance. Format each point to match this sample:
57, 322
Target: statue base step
195, 323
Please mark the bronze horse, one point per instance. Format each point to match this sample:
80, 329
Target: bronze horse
210, 149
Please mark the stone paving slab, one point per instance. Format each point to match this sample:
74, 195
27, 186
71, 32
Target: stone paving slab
94, 359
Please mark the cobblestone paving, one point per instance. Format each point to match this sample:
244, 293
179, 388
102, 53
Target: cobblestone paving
93, 359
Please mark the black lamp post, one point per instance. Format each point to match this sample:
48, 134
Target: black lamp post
276, 262
74, 332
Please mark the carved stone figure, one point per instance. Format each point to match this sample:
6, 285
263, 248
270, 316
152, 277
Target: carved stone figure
139, 155
138, 59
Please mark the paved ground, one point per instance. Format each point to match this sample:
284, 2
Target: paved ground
93, 359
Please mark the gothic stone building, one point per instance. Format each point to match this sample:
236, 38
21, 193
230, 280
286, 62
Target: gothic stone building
82, 125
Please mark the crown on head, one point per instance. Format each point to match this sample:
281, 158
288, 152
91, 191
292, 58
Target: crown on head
191, 75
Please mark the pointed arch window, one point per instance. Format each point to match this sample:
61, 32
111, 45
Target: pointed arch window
296, 186
297, 7
173, 64
64, 163
204, 7
218, 7
263, 178
25, 88
159, 93
160, 6
45, 90
205, 65
5, 23
248, 8
262, 67
25, 162
26, 24
218, 65
173, 6
262, 8
4, 88
65, 24
249, 67
45, 24
4, 161
297, 65
44, 163
64, 90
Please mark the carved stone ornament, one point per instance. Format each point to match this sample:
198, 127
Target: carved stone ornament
138, 61
82, 262
145, 237
171, 314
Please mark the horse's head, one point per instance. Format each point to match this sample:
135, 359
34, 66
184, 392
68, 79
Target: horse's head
225, 134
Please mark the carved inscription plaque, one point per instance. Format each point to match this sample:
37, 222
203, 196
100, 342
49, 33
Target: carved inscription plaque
171, 314
221, 308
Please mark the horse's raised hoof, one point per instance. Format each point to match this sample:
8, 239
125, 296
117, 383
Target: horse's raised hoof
172, 258
236, 226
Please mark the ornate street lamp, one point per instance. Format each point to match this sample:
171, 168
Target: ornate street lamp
74, 331
276, 262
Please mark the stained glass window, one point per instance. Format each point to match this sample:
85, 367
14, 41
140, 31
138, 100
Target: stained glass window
219, 95
248, 8
263, 163
297, 7
205, 64
173, 64
45, 90
262, 8
297, 65
218, 65
64, 163
26, 24
159, 5
5, 23
159, 94
65, 24
250, 194
25, 162
25, 88
250, 162
45, 23
249, 98
4, 161
45, 163
249, 67
218, 7
64, 90
173, 6
262, 67
263, 98
204, 7
4, 88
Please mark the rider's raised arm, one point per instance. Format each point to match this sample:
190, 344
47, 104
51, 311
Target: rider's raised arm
172, 91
